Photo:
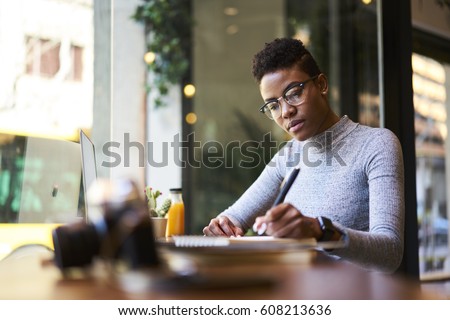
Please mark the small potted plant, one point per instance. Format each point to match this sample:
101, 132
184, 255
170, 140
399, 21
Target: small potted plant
158, 214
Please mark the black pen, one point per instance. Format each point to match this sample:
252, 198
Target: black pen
280, 198
285, 188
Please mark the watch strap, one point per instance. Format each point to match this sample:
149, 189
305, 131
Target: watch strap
328, 229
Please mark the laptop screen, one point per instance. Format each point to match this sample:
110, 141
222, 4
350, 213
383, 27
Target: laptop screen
89, 168
50, 181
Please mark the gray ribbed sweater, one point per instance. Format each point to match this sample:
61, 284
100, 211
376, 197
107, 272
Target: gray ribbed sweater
352, 174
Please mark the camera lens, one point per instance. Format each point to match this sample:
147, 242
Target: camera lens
138, 249
122, 234
75, 245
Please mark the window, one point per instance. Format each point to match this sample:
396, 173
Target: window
430, 85
342, 37
45, 58
431, 89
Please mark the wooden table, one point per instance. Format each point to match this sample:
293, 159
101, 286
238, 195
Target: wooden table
31, 275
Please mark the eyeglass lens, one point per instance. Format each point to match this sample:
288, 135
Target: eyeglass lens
293, 97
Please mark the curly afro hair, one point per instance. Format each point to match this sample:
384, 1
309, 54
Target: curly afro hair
281, 54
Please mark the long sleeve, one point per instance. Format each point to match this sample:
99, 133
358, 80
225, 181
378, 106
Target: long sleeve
381, 247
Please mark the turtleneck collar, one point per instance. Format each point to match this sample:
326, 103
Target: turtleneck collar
332, 135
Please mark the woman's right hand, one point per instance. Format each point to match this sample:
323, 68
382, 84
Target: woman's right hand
222, 226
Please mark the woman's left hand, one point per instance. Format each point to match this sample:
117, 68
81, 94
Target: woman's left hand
285, 221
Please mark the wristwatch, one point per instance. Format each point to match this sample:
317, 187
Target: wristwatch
328, 229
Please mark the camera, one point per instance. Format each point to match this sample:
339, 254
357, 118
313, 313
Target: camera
120, 230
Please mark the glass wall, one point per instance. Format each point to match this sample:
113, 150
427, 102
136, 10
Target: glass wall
431, 91
230, 139
431, 104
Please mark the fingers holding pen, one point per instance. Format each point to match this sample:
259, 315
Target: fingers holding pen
283, 211
279, 215
285, 220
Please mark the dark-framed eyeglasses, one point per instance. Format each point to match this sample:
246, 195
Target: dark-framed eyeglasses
293, 95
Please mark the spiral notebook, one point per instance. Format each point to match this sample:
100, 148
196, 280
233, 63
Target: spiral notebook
263, 242
208, 251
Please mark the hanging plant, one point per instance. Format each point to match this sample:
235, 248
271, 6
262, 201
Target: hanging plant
168, 27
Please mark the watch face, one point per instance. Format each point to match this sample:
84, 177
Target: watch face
327, 235
327, 228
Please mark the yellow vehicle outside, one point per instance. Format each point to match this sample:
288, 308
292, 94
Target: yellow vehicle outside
16, 235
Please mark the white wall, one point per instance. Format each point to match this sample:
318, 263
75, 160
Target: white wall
164, 124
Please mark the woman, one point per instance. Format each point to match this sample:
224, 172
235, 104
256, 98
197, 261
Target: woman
350, 183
